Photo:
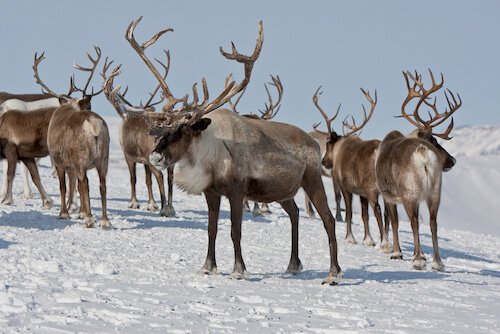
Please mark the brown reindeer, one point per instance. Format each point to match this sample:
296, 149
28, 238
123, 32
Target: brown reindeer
270, 110
137, 144
78, 140
321, 137
22, 102
352, 161
409, 169
220, 153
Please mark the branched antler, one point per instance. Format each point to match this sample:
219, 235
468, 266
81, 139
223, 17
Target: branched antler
355, 128
271, 109
328, 121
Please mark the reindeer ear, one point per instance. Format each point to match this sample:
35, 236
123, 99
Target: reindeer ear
333, 137
201, 125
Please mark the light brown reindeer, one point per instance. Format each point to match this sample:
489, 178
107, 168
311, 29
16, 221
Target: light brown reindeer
137, 144
270, 110
321, 137
409, 169
352, 161
78, 140
22, 102
220, 153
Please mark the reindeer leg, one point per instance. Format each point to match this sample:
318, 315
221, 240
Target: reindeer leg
213, 202
385, 246
418, 256
246, 205
433, 205
309, 206
63, 214
85, 194
102, 187
27, 193
31, 166
264, 208
295, 266
367, 240
338, 198
256, 210
236, 203
313, 185
149, 184
3, 192
133, 204
349, 237
72, 207
393, 213
168, 210
11, 173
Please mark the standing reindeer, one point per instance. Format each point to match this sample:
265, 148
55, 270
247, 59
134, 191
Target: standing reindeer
220, 153
22, 102
321, 138
270, 110
352, 161
409, 169
78, 140
137, 144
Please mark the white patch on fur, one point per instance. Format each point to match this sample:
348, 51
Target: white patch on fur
207, 151
427, 164
20, 105
92, 126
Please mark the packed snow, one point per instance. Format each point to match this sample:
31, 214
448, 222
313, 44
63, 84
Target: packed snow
58, 277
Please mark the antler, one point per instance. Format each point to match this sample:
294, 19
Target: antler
205, 107
227, 82
91, 70
353, 127
328, 121
36, 61
271, 109
417, 90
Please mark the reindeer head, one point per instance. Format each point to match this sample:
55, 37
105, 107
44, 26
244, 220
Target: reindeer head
84, 103
175, 128
352, 128
424, 129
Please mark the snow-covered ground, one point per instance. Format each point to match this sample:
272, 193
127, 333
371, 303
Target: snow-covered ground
59, 277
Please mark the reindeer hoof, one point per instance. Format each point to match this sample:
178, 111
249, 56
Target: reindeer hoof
239, 275
294, 268
333, 279
106, 225
350, 239
311, 214
63, 215
7, 201
133, 205
28, 195
419, 264
207, 271
386, 247
339, 218
396, 256
152, 207
369, 242
437, 266
167, 212
90, 222
48, 203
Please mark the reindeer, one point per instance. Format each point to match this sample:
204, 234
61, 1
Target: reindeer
352, 161
137, 144
220, 153
78, 140
22, 102
408, 169
321, 137
270, 110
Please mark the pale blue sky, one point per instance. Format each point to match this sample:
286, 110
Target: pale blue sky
340, 45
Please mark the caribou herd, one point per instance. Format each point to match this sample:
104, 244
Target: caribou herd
220, 152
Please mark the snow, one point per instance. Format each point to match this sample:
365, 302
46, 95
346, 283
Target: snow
58, 277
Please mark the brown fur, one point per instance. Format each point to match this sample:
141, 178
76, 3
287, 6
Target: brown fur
225, 154
322, 138
23, 137
137, 144
353, 168
408, 171
78, 140
4, 96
